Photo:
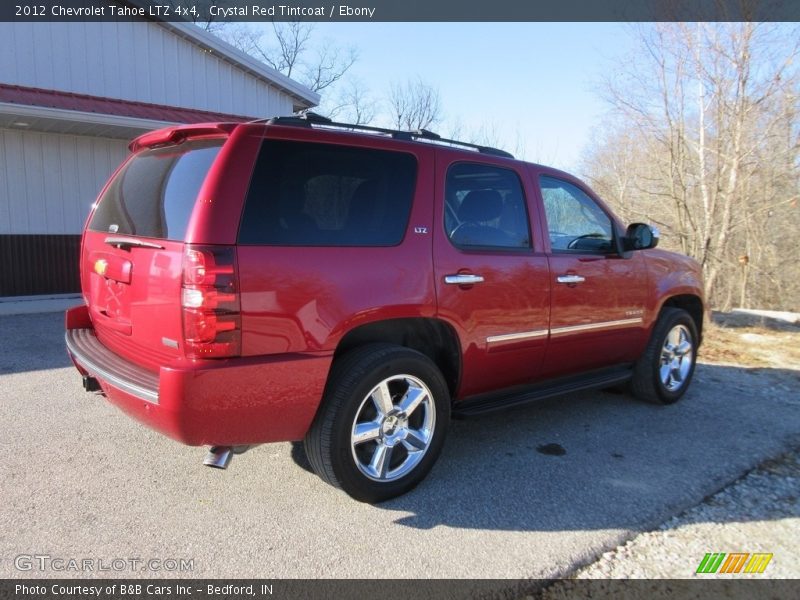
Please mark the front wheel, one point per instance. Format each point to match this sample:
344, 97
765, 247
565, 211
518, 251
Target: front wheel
663, 373
382, 422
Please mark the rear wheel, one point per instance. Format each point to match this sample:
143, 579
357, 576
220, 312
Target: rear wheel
382, 422
663, 373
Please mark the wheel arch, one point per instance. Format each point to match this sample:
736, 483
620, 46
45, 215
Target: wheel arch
432, 337
693, 305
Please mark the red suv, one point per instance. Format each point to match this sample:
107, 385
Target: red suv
355, 287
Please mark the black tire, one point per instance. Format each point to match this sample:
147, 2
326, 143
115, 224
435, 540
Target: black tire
647, 382
348, 401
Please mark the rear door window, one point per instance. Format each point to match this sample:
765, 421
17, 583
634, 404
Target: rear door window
309, 194
485, 208
155, 193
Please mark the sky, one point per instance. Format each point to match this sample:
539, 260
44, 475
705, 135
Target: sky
533, 85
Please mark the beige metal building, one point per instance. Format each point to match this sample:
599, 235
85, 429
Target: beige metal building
72, 95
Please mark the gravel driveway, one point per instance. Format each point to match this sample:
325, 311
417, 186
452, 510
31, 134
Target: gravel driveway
80, 479
760, 513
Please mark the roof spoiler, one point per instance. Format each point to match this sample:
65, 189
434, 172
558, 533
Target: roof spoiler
176, 134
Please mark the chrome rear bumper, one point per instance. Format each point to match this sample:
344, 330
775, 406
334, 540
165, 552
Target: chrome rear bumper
110, 368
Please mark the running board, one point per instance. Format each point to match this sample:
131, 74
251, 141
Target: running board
520, 396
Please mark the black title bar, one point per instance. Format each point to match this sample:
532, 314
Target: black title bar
708, 588
204, 11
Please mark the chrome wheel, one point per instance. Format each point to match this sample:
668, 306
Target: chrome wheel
393, 428
677, 357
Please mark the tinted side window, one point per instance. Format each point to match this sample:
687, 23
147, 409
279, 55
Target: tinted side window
153, 196
485, 207
575, 222
307, 194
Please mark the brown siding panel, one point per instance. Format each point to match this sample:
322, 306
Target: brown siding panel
39, 264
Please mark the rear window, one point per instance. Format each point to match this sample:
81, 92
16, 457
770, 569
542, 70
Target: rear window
308, 194
153, 196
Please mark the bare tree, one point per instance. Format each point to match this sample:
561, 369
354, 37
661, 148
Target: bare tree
354, 104
492, 134
289, 50
707, 124
414, 105
612, 166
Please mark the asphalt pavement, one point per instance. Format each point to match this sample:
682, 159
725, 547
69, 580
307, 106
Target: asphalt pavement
80, 480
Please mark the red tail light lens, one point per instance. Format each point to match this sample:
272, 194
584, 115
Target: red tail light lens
210, 302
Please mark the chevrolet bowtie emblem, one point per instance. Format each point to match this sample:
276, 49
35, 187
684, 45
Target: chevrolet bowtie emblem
100, 267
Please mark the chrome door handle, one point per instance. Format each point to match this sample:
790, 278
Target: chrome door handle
462, 279
570, 279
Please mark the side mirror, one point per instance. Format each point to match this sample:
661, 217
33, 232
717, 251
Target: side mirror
641, 236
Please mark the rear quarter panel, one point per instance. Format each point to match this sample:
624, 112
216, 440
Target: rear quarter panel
305, 299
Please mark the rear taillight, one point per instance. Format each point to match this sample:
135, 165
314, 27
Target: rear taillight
210, 302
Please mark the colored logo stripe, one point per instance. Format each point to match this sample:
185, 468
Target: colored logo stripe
757, 563
735, 562
710, 562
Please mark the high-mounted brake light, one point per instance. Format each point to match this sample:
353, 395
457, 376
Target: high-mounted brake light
210, 302
175, 135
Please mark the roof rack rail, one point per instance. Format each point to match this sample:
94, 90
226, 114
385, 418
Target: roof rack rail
309, 119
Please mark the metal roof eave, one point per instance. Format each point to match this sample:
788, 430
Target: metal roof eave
304, 96
44, 118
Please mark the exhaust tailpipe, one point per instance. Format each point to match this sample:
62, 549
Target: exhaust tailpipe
219, 457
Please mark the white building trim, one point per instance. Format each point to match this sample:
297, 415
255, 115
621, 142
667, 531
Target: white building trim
23, 111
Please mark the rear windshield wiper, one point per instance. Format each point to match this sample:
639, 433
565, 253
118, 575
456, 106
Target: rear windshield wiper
126, 243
